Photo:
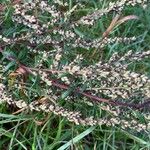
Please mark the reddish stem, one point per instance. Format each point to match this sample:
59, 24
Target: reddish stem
57, 84
98, 99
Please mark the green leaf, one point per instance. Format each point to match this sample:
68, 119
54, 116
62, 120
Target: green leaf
78, 32
77, 138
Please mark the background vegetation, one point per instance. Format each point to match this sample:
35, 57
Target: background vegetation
45, 131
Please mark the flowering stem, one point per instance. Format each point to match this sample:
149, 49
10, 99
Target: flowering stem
57, 84
98, 99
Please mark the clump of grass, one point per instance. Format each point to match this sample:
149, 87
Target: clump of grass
45, 66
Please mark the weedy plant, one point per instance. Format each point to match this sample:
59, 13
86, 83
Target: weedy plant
53, 63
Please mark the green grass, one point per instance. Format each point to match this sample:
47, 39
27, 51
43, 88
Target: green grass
24, 132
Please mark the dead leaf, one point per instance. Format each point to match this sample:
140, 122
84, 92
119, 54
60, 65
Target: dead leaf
41, 122
117, 21
18, 111
111, 26
124, 19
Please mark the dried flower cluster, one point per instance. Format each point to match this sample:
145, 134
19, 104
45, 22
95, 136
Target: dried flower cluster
49, 40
